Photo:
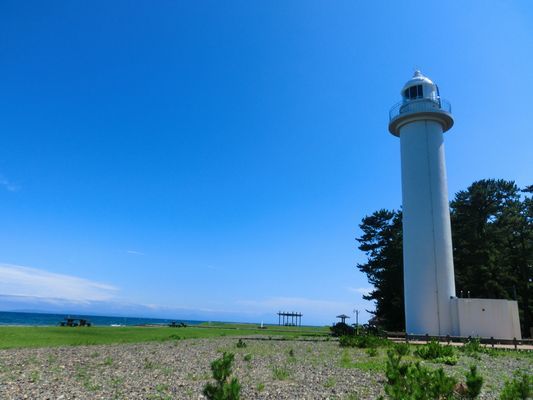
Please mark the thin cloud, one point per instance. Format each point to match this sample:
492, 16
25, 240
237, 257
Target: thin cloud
137, 253
7, 185
16, 280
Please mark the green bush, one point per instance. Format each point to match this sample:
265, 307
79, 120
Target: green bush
473, 348
241, 344
225, 387
372, 352
520, 387
402, 349
414, 381
342, 329
448, 360
363, 341
434, 350
474, 381
347, 341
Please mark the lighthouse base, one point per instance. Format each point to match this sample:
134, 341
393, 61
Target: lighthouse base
485, 318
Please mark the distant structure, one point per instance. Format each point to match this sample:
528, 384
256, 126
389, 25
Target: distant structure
431, 306
73, 322
289, 318
342, 317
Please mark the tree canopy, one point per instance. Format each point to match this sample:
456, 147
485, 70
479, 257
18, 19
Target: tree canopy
492, 237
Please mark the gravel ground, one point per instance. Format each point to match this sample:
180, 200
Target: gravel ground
267, 369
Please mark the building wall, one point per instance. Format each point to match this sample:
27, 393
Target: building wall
486, 318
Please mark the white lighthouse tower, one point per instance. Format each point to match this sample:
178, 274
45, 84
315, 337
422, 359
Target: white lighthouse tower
431, 306
420, 120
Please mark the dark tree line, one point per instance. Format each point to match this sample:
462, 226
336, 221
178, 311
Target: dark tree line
492, 233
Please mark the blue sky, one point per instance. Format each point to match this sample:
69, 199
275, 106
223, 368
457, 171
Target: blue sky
213, 160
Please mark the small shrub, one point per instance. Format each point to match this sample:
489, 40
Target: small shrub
434, 350
108, 361
35, 376
280, 373
291, 353
330, 382
473, 348
520, 387
225, 387
148, 364
474, 381
402, 349
161, 387
372, 352
342, 329
174, 337
248, 357
363, 341
347, 341
117, 382
414, 381
260, 387
241, 344
448, 360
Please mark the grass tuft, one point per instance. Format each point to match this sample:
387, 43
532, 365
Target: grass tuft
281, 373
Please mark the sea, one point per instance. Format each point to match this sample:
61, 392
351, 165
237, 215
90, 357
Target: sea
42, 319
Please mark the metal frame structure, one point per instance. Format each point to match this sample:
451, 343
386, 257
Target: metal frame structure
289, 318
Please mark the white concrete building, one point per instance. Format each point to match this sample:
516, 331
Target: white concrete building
486, 318
420, 120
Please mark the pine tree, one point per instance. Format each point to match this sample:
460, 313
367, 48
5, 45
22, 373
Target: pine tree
492, 234
382, 243
492, 237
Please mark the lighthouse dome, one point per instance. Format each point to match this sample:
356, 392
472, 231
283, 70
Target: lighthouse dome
419, 87
420, 101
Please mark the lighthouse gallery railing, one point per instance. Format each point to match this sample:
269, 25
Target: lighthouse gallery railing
422, 105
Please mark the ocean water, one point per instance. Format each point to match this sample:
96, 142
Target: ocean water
41, 319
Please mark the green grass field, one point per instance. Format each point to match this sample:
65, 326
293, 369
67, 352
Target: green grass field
22, 336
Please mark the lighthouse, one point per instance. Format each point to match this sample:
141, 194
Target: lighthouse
420, 120
431, 307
